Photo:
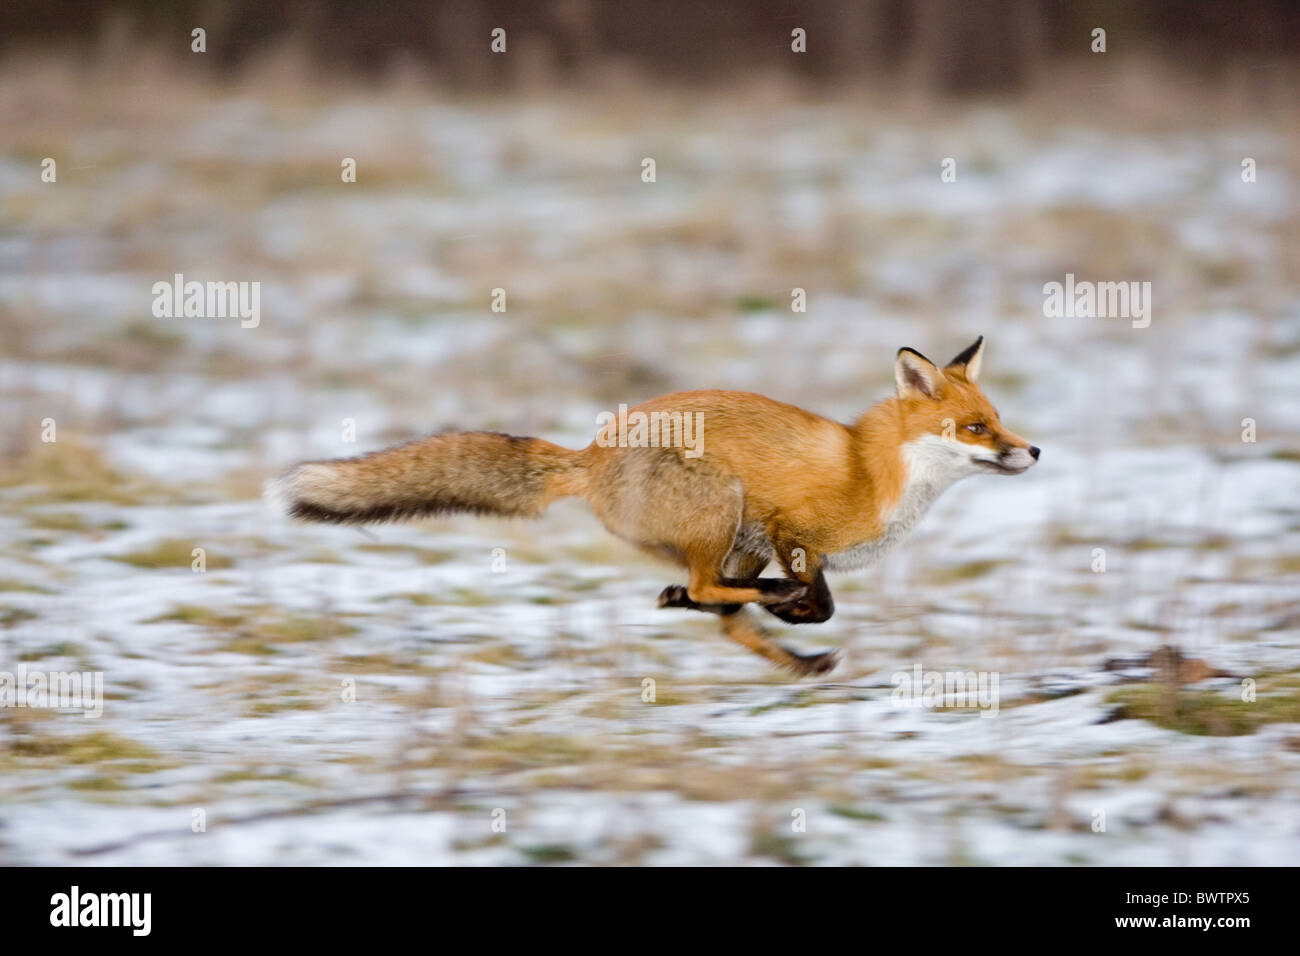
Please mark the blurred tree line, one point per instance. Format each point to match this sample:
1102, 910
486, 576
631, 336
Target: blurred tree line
950, 46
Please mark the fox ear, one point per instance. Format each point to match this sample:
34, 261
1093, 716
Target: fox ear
915, 376
967, 364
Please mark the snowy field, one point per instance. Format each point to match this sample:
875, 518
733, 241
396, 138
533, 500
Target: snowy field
327, 695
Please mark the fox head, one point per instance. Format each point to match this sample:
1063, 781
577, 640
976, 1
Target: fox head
949, 426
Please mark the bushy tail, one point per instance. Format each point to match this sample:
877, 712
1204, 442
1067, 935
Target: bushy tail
483, 473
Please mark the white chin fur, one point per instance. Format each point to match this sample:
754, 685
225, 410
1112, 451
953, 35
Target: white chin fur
932, 459
1013, 463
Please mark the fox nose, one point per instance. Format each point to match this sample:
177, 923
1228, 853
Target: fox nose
1034, 450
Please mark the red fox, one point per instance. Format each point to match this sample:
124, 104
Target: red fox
764, 481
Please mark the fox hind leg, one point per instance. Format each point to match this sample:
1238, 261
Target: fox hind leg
738, 624
745, 631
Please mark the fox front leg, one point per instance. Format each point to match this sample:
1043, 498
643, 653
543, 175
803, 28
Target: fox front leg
815, 605
781, 590
739, 571
675, 596
739, 626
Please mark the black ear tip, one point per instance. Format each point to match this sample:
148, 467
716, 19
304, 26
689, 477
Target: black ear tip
914, 352
968, 353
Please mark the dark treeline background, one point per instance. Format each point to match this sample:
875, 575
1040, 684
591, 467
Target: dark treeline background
950, 46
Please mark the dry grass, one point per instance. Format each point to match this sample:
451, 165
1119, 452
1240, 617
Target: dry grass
525, 691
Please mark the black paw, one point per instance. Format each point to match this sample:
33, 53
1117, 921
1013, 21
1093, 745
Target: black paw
811, 665
799, 612
784, 592
675, 596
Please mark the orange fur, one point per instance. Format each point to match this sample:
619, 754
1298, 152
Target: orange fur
771, 481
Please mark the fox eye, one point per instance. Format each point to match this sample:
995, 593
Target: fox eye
977, 428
